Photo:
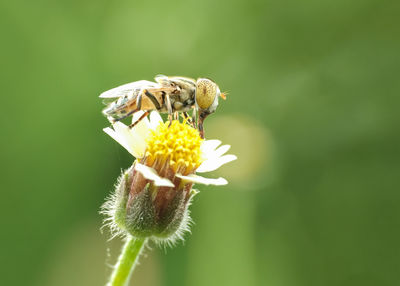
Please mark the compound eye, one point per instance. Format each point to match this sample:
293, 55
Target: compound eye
206, 91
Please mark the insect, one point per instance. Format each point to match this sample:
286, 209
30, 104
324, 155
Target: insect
167, 95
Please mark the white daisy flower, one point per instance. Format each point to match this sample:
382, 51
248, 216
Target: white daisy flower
191, 154
152, 197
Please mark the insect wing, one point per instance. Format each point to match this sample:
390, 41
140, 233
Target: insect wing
174, 80
128, 89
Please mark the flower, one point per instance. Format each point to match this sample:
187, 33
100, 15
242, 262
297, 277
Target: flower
152, 196
202, 155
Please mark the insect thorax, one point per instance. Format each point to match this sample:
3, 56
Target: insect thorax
184, 98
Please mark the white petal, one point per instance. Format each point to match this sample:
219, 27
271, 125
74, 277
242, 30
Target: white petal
128, 139
142, 128
209, 146
151, 174
221, 151
214, 163
155, 119
114, 135
136, 144
205, 181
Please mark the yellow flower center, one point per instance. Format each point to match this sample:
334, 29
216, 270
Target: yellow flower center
177, 145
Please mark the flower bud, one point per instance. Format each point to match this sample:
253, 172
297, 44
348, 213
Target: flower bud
143, 209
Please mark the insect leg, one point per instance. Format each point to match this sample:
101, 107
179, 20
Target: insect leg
176, 115
111, 119
194, 115
138, 104
140, 119
152, 98
188, 119
169, 107
202, 116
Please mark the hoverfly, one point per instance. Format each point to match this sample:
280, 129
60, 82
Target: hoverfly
167, 95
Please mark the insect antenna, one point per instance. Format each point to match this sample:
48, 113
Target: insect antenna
223, 95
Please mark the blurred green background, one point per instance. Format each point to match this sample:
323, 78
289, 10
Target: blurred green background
312, 114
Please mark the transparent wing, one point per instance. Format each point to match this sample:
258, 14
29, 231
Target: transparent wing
108, 101
182, 82
128, 89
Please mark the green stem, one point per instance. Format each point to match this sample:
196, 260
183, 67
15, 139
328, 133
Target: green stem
126, 261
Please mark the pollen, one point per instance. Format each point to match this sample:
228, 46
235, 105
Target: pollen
177, 145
